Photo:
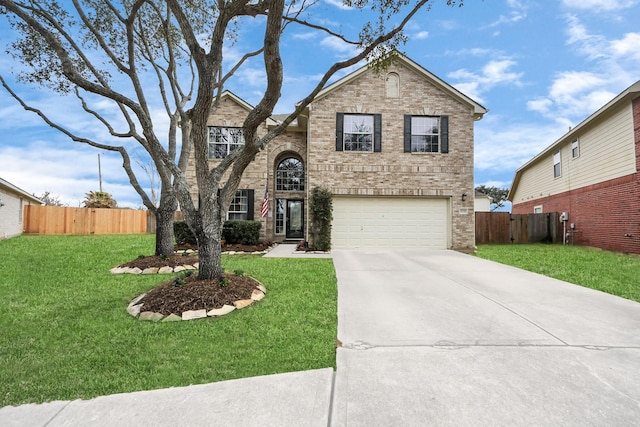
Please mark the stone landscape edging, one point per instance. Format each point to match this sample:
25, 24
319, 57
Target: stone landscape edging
135, 306
179, 268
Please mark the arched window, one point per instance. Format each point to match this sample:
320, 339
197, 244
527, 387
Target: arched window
290, 175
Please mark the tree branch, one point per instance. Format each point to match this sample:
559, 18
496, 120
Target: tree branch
126, 161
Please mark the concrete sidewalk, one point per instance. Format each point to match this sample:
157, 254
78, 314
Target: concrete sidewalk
429, 338
298, 398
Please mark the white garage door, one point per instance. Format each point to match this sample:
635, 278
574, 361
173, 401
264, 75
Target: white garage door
389, 222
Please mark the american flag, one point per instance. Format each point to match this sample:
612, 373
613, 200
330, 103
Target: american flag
265, 202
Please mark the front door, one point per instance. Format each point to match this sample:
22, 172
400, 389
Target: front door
295, 219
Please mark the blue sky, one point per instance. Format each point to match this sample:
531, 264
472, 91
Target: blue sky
538, 66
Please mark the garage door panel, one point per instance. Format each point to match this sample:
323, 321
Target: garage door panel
391, 222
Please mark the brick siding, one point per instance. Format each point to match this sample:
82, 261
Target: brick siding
606, 215
392, 172
388, 173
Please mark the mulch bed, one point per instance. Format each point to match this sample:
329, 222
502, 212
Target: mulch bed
188, 293
156, 261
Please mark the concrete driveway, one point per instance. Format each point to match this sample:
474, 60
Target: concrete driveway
443, 338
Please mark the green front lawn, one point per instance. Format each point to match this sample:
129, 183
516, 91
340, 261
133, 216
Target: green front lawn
611, 272
66, 333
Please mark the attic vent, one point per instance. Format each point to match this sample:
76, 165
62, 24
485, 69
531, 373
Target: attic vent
393, 85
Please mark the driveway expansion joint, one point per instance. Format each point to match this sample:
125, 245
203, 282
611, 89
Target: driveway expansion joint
451, 345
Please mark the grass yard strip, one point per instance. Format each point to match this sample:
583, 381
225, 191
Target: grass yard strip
66, 333
610, 272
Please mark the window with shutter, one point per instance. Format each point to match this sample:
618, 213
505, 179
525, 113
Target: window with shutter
426, 134
359, 132
241, 207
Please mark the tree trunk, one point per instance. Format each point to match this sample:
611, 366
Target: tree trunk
210, 255
164, 232
209, 250
164, 225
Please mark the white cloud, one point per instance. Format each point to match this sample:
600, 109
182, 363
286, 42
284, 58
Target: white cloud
476, 51
495, 72
575, 94
503, 145
511, 18
304, 36
541, 105
338, 3
420, 35
252, 77
517, 14
68, 171
448, 25
600, 5
628, 46
340, 48
593, 46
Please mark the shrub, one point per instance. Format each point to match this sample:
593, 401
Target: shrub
242, 232
321, 207
183, 233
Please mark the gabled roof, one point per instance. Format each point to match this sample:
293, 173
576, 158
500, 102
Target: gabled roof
242, 103
6, 185
478, 109
625, 96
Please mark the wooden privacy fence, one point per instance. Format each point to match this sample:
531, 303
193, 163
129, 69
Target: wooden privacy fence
503, 227
80, 221
151, 220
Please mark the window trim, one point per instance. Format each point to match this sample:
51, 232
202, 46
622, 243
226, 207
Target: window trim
278, 178
443, 142
377, 132
280, 217
250, 205
228, 144
538, 209
557, 164
575, 148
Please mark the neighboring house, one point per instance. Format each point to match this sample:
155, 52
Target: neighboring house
592, 174
12, 203
395, 148
482, 202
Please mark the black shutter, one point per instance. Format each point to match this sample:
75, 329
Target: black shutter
339, 130
377, 133
444, 134
250, 204
407, 133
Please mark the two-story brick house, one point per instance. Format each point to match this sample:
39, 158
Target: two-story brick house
395, 148
593, 174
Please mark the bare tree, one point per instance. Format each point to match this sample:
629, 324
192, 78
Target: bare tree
182, 41
49, 199
152, 175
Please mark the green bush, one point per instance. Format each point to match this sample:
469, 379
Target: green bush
183, 234
321, 206
242, 232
